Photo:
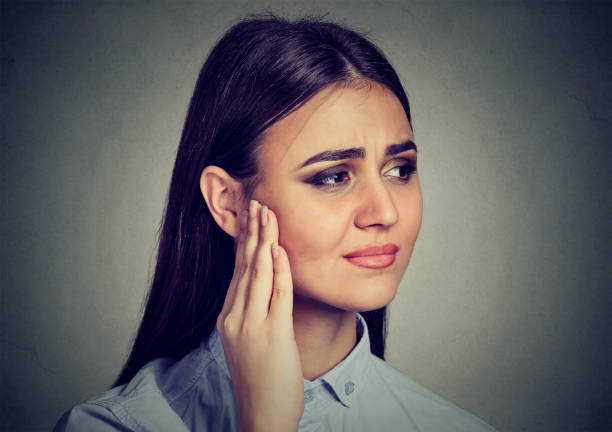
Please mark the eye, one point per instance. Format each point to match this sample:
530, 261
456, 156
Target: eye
338, 177
403, 170
329, 179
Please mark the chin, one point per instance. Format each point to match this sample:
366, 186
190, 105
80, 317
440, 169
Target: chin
362, 296
371, 304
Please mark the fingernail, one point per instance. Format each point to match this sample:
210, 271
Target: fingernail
264, 215
252, 209
275, 250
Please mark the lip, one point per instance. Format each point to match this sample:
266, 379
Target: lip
373, 256
385, 249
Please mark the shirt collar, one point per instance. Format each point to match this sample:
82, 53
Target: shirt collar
345, 380
215, 346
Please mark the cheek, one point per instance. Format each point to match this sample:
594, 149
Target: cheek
311, 235
418, 212
412, 217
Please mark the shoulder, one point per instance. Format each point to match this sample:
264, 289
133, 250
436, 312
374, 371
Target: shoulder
90, 417
427, 410
151, 401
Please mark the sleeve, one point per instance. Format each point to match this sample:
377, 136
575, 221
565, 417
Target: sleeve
91, 418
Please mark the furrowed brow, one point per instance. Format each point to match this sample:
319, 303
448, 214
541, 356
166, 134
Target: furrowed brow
356, 153
394, 149
334, 155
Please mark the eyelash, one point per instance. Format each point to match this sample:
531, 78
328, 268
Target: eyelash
318, 180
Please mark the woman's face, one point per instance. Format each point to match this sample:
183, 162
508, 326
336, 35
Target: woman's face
368, 195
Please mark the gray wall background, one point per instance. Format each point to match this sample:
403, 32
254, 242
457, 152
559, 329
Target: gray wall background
505, 307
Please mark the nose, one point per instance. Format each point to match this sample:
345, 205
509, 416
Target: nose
376, 206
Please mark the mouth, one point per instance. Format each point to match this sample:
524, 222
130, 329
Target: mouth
373, 257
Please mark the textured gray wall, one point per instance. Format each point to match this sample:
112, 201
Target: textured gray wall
505, 307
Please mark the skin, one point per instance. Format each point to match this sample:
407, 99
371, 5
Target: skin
369, 201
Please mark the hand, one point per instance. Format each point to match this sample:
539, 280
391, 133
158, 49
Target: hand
256, 328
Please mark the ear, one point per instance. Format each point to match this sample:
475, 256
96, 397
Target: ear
222, 194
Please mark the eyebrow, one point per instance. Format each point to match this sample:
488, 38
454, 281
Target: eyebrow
357, 153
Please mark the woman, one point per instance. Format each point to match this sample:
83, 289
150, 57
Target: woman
292, 214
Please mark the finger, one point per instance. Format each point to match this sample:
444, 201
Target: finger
239, 264
281, 303
244, 271
241, 242
260, 288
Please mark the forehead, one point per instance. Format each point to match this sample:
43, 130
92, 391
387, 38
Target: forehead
335, 118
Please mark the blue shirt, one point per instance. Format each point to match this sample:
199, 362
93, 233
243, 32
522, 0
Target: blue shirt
195, 393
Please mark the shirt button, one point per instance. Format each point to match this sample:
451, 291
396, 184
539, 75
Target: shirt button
349, 387
308, 395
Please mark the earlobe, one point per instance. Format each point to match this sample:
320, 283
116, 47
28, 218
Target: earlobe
222, 195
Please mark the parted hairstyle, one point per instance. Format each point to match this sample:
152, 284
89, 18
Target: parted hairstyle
262, 69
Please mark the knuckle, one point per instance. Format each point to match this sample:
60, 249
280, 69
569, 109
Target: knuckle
248, 330
255, 272
243, 268
251, 230
229, 324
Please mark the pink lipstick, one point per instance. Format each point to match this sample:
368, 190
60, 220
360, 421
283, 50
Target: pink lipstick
373, 256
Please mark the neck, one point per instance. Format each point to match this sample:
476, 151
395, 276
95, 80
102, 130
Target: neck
324, 335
